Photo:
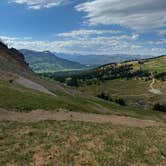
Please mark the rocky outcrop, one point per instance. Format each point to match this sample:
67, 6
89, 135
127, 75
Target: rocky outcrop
13, 61
17, 55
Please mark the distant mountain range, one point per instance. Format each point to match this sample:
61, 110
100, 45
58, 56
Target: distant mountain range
43, 62
48, 62
95, 60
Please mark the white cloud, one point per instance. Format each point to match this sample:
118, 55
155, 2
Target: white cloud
39, 4
135, 36
7, 38
135, 46
87, 33
98, 45
136, 14
158, 50
162, 32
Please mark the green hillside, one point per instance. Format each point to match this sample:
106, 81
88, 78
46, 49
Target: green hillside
154, 64
23, 99
43, 62
130, 81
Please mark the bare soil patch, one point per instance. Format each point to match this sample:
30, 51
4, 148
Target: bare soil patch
40, 115
32, 85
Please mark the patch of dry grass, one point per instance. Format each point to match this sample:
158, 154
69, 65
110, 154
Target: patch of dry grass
54, 143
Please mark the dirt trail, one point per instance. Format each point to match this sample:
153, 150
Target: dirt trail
152, 89
152, 83
32, 85
39, 115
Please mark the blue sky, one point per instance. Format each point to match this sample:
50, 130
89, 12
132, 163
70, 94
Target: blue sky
85, 26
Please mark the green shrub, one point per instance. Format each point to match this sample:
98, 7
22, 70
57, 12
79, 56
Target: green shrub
11, 81
120, 101
159, 107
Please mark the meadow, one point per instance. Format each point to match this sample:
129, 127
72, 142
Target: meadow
79, 143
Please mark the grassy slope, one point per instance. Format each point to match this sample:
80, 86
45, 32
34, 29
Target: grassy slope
134, 90
155, 64
131, 90
78, 143
22, 99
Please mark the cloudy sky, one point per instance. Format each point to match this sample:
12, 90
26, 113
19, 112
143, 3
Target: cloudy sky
85, 26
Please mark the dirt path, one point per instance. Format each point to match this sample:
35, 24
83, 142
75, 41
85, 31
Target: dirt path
152, 89
32, 85
39, 115
152, 83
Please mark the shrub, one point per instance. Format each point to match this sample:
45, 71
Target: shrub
10, 81
103, 95
73, 82
160, 76
120, 101
159, 107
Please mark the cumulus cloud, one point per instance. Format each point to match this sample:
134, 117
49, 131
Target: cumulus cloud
137, 14
39, 4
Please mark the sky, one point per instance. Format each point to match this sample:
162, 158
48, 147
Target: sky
85, 27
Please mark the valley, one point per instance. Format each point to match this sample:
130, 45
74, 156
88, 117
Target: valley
83, 83
41, 115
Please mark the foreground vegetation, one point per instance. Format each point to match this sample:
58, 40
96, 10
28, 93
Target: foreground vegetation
79, 143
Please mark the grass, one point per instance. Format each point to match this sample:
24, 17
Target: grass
79, 143
18, 98
132, 91
15, 96
153, 65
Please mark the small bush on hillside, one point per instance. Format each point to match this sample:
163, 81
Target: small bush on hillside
73, 82
104, 96
160, 76
120, 101
107, 97
159, 107
10, 81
